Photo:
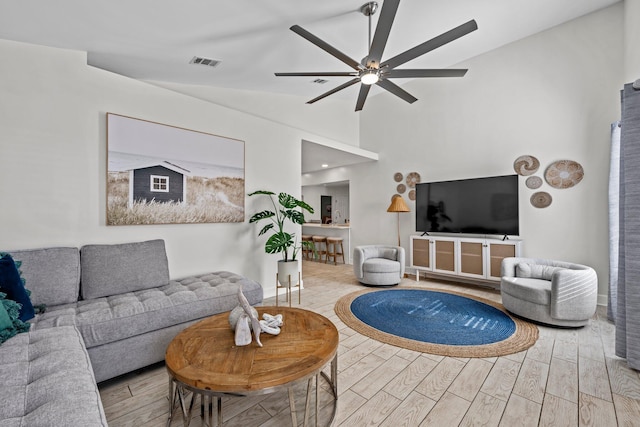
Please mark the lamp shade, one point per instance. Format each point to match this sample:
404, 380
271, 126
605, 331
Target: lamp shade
398, 205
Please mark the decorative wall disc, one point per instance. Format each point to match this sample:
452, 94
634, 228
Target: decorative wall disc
412, 179
533, 182
526, 165
564, 174
412, 194
401, 188
397, 177
541, 199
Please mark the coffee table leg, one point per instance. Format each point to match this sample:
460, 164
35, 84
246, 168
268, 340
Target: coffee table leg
334, 375
306, 404
317, 396
292, 406
172, 401
219, 409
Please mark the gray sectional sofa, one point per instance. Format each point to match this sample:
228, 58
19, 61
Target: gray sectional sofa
110, 309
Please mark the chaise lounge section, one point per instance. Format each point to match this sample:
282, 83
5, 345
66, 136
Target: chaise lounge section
113, 309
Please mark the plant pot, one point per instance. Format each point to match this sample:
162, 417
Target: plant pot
288, 269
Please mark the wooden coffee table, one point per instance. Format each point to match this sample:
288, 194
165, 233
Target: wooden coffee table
203, 359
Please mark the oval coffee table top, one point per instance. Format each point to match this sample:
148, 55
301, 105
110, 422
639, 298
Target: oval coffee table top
204, 355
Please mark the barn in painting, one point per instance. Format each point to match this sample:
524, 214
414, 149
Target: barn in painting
164, 182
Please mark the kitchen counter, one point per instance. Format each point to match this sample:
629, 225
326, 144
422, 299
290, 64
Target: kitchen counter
316, 225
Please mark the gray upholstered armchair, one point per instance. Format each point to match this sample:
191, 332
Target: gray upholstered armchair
552, 292
379, 265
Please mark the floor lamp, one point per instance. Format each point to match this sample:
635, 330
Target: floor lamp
398, 205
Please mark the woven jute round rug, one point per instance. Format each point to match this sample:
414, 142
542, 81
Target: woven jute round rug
525, 334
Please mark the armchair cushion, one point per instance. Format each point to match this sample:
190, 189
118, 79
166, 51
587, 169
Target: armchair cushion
536, 271
380, 265
536, 291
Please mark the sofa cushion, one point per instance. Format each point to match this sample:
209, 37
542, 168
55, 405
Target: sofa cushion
113, 318
380, 265
536, 271
52, 274
537, 291
47, 380
13, 286
121, 268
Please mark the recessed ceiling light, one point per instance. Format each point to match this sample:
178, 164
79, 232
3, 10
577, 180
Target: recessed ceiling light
324, 165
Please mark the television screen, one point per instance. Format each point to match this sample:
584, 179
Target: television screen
475, 206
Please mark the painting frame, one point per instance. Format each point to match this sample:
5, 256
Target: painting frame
164, 174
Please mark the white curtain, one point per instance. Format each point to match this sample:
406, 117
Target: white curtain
614, 220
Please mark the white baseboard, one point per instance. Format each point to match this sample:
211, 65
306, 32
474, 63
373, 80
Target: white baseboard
603, 300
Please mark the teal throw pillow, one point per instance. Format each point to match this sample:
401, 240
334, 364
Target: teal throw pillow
10, 324
13, 286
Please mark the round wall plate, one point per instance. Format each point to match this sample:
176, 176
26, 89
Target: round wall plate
564, 174
533, 182
397, 177
412, 179
541, 199
526, 165
401, 188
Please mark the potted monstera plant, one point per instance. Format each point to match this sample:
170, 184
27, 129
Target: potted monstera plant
288, 209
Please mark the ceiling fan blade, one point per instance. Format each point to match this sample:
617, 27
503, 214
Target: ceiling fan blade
397, 90
362, 96
406, 74
318, 74
430, 45
326, 47
334, 90
387, 15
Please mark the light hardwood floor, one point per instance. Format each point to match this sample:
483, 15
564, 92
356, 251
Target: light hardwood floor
570, 377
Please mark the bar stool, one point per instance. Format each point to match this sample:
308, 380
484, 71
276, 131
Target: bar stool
307, 253
320, 243
332, 250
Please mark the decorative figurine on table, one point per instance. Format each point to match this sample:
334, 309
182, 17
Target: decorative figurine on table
244, 318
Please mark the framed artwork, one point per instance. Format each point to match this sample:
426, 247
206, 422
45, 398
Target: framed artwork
161, 174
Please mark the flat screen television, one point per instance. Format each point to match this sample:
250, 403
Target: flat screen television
474, 206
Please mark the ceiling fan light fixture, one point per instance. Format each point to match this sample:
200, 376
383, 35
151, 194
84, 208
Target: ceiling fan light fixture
369, 77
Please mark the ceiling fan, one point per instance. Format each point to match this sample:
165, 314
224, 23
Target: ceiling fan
372, 70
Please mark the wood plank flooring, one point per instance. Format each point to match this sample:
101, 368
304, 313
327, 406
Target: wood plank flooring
570, 377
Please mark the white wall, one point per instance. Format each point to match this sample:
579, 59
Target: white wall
53, 161
631, 40
332, 118
552, 95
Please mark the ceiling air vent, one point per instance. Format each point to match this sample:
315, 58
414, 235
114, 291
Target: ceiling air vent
320, 81
204, 61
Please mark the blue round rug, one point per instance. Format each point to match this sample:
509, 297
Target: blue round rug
437, 322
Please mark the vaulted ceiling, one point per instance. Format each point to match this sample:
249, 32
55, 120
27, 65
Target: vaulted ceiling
156, 39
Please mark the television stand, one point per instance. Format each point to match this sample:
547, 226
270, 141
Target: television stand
471, 257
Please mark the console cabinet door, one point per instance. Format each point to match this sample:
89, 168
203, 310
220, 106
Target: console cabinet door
445, 255
421, 253
496, 252
472, 255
